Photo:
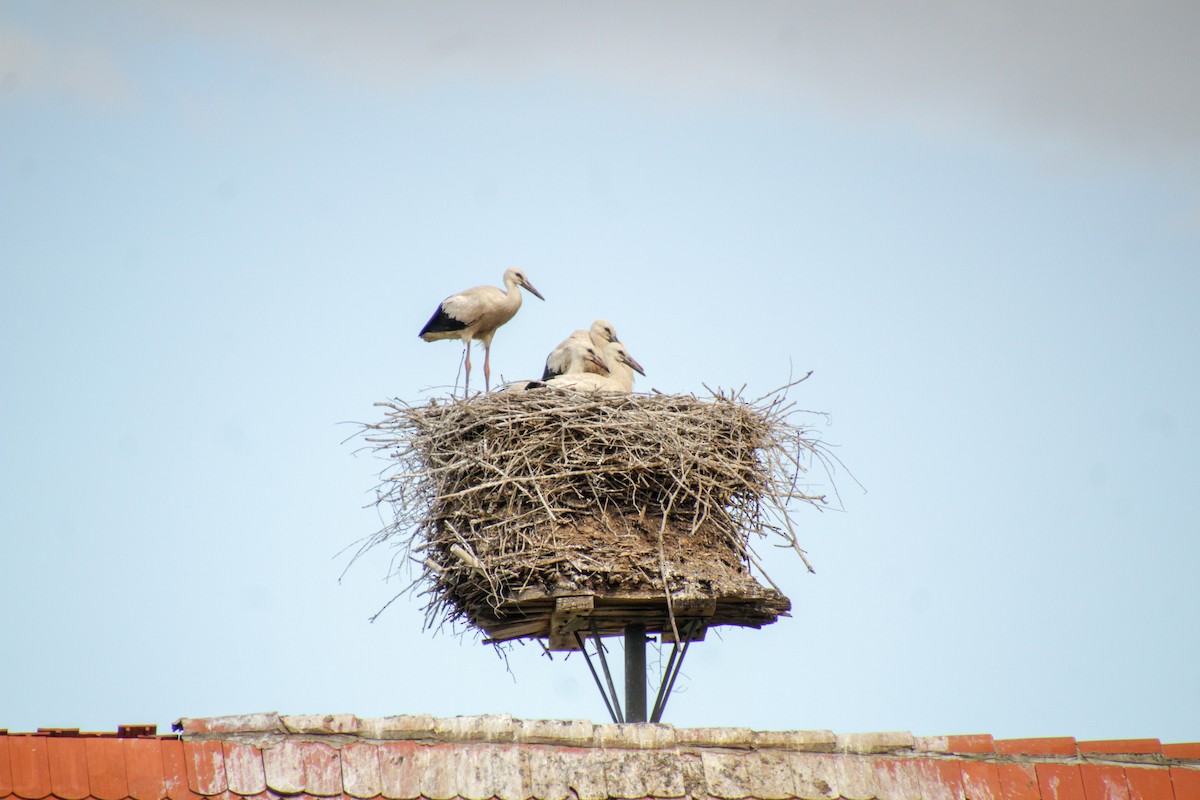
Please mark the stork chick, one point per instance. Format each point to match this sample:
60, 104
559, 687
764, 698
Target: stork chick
620, 380
599, 336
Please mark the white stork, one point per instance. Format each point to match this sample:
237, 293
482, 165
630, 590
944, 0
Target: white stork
476, 314
598, 336
621, 366
580, 359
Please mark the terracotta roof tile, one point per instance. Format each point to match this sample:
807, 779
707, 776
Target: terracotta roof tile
204, 762
175, 780
941, 780
975, 743
106, 769
1018, 782
1104, 782
321, 723
981, 780
1059, 781
1149, 783
6, 784
411, 757
1121, 746
244, 769
322, 769
68, 768
241, 723
1186, 783
898, 777
29, 759
144, 768
360, 770
1187, 750
397, 771
1049, 746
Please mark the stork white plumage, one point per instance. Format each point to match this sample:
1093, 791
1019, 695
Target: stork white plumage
580, 358
619, 380
599, 336
476, 313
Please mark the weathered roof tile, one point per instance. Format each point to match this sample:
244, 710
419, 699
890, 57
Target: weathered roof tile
632, 774
244, 769
322, 769
175, 781
642, 736
552, 770
940, 780
339, 757
568, 732
398, 775
1104, 782
981, 780
875, 742
437, 767
800, 741
401, 726
727, 775
1019, 781
205, 765
774, 779
360, 770
1060, 781
238, 723
487, 728
1149, 783
320, 723
734, 738
853, 778
283, 766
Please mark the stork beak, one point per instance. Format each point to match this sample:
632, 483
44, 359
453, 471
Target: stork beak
599, 362
532, 290
628, 359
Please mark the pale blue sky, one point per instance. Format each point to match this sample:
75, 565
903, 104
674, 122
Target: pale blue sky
223, 224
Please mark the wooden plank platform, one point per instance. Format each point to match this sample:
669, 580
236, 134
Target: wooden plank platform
556, 615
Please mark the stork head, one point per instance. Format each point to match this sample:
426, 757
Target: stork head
603, 331
592, 356
516, 277
617, 351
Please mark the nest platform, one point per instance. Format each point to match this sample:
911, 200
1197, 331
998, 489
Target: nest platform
545, 513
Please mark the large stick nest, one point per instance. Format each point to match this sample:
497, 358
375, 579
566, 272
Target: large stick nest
558, 493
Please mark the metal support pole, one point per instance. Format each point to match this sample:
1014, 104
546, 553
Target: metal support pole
635, 672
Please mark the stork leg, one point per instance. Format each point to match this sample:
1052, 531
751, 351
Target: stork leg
487, 370
467, 380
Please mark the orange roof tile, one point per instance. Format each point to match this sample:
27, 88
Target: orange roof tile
268, 757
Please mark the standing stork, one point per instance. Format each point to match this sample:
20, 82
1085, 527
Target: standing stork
598, 336
476, 313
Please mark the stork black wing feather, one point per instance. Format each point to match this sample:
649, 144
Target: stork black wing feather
441, 322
